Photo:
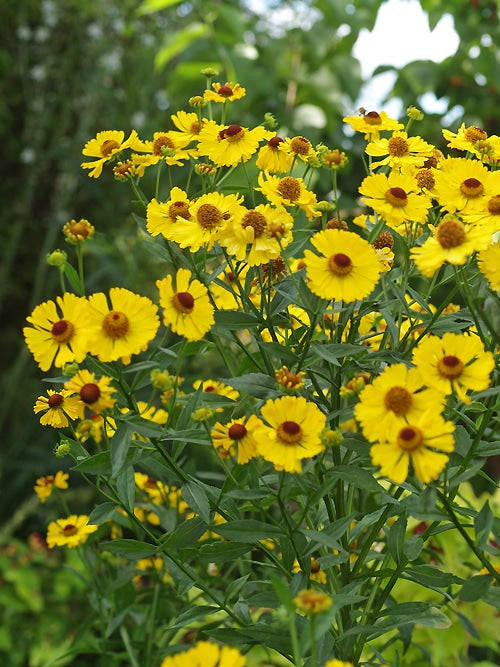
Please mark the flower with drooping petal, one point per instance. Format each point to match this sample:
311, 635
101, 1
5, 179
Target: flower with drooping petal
70, 532
228, 145
288, 192
237, 433
45, 485
186, 306
105, 146
227, 92
488, 261
95, 393
57, 406
372, 123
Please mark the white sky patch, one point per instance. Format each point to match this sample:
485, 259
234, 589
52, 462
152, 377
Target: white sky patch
401, 35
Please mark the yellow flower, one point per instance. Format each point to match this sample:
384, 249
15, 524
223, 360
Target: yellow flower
465, 185
488, 261
206, 218
274, 157
186, 308
299, 147
316, 573
474, 140
153, 565
160, 216
57, 408
216, 387
289, 380
106, 146
451, 242
228, 145
78, 232
371, 123
187, 124
293, 432
455, 362
58, 337
339, 663
401, 151
396, 396
312, 602
346, 270
124, 329
228, 92
488, 218
426, 441
95, 394
166, 147
239, 433
45, 485
257, 235
70, 532
288, 191
206, 654
395, 198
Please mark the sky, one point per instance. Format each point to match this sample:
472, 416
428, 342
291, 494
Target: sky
386, 45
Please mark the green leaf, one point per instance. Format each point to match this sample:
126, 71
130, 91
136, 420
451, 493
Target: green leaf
193, 614
475, 588
396, 537
234, 320
150, 6
179, 41
120, 443
73, 279
125, 487
331, 533
283, 592
413, 547
185, 534
428, 575
195, 496
357, 476
334, 352
223, 552
102, 513
247, 530
483, 524
131, 549
258, 385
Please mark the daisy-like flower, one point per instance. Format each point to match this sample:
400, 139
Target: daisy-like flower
338, 663
45, 485
455, 362
400, 151
426, 442
257, 235
395, 198
78, 232
292, 433
186, 307
165, 147
395, 397
237, 433
57, 406
187, 124
106, 146
59, 332
160, 216
206, 654
228, 145
465, 185
372, 123
227, 92
207, 217
124, 329
70, 532
488, 218
299, 147
347, 268
474, 140
316, 573
287, 192
94, 393
312, 602
274, 157
451, 242
216, 387
488, 261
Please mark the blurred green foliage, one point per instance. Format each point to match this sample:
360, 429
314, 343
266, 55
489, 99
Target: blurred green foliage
71, 68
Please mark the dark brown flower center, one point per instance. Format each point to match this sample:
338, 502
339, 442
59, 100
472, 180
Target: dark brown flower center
383, 240
340, 264
274, 142
290, 432
237, 431
471, 188
410, 438
372, 118
62, 331
90, 393
450, 367
184, 302
397, 197
450, 233
398, 146
160, 144
494, 205
69, 529
399, 400
108, 147
289, 188
256, 220
474, 134
116, 324
425, 179
300, 145
232, 133
209, 216
179, 209
225, 91
55, 400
